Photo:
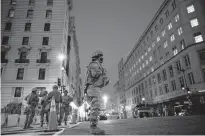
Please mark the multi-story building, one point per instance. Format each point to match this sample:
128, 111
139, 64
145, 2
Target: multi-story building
167, 62
34, 34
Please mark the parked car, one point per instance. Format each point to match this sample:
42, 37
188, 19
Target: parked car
102, 117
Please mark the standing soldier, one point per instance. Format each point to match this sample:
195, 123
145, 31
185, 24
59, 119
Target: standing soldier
44, 111
95, 80
66, 99
58, 98
32, 100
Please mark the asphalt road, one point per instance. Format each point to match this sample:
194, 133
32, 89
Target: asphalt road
173, 125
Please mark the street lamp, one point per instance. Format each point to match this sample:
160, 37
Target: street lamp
61, 57
105, 100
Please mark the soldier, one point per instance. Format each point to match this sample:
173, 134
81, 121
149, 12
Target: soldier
44, 111
66, 99
95, 80
58, 98
32, 100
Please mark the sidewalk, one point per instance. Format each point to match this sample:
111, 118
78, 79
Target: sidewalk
36, 130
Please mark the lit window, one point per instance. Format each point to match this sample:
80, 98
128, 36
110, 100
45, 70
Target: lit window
169, 25
152, 69
198, 37
172, 38
140, 68
163, 33
149, 49
165, 44
175, 51
176, 18
153, 44
143, 65
194, 22
150, 58
145, 54
190, 8
11, 13
182, 44
13, 2
158, 39
48, 13
142, 56
179, 30
146, 62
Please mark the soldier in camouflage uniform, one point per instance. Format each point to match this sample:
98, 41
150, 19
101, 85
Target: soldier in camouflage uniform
66, 99
32, 100
95, 80
44, 111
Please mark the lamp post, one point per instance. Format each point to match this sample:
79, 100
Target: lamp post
143, 101
105, 100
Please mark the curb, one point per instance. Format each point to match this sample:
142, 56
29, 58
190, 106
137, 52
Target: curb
60, 132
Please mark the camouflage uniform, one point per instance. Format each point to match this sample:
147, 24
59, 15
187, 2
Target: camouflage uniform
44, 111
30, 110
95, 80
65, 108
58, 98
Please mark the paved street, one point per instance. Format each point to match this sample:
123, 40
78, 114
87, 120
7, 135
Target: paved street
187, 125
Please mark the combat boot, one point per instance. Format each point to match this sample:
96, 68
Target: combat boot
96, 130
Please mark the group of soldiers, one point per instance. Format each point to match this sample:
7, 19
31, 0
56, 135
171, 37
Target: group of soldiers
62, 105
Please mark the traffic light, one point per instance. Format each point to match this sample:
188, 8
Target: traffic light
59, 82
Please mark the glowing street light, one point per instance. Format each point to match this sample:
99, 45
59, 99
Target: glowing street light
105, 99
143, 99
61, 57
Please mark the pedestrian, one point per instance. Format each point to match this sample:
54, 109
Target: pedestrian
65, 108
95, 80
58, 98
44, 111
32, 100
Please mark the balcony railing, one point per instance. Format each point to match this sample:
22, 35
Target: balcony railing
4, 60
42, 61
22, 61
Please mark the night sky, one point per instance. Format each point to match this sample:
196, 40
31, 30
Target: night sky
113, 26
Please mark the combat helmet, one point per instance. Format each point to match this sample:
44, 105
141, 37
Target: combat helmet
97, 54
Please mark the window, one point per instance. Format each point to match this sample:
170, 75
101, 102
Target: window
173, 85
167, 55
191, 78
174, 5
198, 37
23, 56
161, 21
190, 9
159, 77
25, 41
5, 40
176, 18
160, 90
178, 65
20, 73
187, 61
179, 30
45, 40
31, 2
175, 50
167, 13
163, 32
165, 44
147, 62
194, 22
181, 80
182, 44
48, 13
18, 91
169, 25
149, 49
154, 80
164, 74
172, 38
171, 73
27, 27
42, 72
49, 2
11, 13
47, 27
30, 13
43, 56
13, 2
158, 39
156, 27
8, 26
166, 88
